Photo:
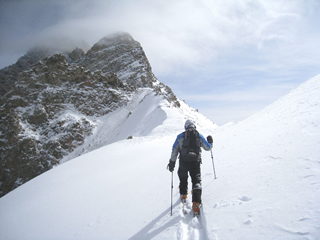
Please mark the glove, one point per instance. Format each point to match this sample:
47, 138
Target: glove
171, 165
209, 139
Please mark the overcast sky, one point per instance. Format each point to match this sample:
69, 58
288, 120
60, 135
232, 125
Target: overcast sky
226, 58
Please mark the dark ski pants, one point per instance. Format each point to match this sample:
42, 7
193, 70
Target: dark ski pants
193, 168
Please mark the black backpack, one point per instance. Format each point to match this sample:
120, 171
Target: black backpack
191, 146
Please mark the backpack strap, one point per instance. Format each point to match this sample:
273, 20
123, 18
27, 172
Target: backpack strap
185, 145
197, 136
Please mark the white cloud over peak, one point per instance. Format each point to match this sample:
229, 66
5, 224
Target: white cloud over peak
218, 42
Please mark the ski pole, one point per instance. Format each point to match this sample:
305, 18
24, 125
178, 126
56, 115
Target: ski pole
214, 171
171, 189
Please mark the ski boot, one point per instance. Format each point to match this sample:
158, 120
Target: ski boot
196, 209
183, 198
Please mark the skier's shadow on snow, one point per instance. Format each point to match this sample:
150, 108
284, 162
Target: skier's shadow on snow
145, 233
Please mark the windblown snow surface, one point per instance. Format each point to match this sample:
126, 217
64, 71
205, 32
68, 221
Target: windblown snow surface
267, 185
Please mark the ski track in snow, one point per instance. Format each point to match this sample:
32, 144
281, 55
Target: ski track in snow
190, 227
180, 226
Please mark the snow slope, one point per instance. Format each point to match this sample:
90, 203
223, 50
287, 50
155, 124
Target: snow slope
269, 183
267, 186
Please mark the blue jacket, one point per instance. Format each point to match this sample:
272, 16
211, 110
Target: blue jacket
177, 146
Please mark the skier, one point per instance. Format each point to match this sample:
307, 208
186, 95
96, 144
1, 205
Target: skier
188, 146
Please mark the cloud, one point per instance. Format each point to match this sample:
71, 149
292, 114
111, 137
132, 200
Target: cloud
236, 47
173, 33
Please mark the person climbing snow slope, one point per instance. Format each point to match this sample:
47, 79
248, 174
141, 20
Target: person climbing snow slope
188, 146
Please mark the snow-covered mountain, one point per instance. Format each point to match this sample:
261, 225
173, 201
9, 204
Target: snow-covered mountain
267, 186
53, 104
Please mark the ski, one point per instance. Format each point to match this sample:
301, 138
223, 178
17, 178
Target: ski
184, 211
196, 221
185, 207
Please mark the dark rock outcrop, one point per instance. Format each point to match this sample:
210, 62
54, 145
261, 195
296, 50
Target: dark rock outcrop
47, 98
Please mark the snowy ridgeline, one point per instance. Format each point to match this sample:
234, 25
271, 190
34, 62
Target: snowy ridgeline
140, 117
267, 186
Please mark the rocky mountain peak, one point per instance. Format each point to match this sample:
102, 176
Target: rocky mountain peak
116, 39
50, 101
120, 53
33, 56
76, 54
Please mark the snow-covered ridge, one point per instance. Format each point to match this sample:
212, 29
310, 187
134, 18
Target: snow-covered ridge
141, 114
146, 114
301, 103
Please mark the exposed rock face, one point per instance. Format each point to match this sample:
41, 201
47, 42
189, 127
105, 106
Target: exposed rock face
40, 93
120, 54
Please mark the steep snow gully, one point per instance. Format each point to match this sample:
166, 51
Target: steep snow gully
267, 186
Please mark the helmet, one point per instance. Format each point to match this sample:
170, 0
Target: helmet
189, 124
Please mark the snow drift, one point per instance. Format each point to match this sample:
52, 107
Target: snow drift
267, 186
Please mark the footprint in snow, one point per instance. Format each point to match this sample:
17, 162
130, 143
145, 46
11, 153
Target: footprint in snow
248, 222
239, 201
245, 199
